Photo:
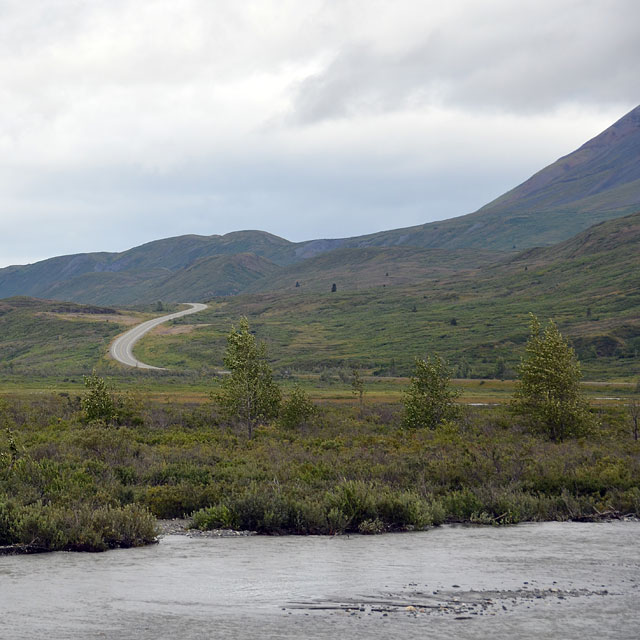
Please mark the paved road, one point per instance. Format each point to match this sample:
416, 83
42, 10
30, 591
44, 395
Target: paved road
122, 347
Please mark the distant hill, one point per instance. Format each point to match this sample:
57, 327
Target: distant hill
477, 318
597, 182
472, 312
168, 269
351, 269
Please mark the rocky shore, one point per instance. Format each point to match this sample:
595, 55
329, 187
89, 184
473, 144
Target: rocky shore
180, 527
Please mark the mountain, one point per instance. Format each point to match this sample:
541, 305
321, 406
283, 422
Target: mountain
152, 271
475, 315
597, 182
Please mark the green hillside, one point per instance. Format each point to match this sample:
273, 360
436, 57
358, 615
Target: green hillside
475, 315
353, 269
145, 273
213, 276
477, 319
207, 277
44, 338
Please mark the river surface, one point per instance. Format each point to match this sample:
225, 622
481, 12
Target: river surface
551, 580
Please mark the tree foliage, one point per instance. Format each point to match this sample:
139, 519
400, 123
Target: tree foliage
357, 385
297, 409
248, 394
97, 404
430, 399
548, 394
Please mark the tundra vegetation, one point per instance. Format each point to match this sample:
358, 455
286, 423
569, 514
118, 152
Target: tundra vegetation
73, 479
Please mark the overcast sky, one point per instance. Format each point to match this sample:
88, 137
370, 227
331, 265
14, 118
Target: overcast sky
125, 121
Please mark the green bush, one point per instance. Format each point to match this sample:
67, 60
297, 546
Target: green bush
97, 404
297, 409
176, 501
430, 399
83, 528
548, 396
355, 500
216, 517
7, 520
368, 527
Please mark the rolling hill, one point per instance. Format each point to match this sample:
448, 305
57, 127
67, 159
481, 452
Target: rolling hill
597, 182
477, 318
475, 315
154, 270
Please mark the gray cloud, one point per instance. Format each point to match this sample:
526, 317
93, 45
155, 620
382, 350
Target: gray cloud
521, 57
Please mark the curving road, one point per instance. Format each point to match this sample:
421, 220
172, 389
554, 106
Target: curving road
122, 347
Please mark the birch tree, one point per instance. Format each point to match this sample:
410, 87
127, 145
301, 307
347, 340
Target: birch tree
248, 394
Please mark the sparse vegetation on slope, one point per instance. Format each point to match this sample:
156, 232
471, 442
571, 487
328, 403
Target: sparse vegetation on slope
477, 320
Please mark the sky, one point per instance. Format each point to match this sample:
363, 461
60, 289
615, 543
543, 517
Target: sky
126, 121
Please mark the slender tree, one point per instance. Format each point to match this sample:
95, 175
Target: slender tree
97, 404
430, 399
357, 385
248, 393
548, 395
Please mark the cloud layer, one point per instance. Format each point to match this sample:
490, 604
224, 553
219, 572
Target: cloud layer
125, 121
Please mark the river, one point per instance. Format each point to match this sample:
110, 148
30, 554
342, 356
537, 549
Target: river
549, 580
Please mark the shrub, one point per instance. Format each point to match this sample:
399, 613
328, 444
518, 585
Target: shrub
217, 517
369, 527
430, 399
7, 518
83, 528
297, 410
548, 394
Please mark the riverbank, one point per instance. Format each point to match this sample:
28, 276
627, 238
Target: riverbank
183, 527
67, 485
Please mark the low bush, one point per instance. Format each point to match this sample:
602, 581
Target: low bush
68, 485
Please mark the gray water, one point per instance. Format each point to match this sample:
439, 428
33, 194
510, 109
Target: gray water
552, 580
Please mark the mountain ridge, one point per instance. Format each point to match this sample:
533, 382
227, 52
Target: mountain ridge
598, 181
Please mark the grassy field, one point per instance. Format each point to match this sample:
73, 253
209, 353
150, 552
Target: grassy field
383, 332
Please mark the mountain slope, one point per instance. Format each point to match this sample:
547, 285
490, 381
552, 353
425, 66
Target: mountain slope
207, 277
477, 319
599, 181
351, 269
144, 273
